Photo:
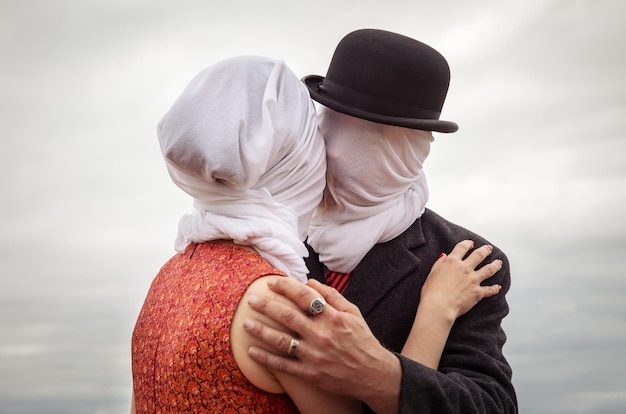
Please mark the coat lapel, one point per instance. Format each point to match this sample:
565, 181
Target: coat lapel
383, 267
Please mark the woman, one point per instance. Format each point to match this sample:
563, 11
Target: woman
242, 140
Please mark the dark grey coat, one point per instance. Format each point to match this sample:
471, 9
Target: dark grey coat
473, 376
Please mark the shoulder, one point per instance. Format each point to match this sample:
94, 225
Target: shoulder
437, 228
433, 223
241, 341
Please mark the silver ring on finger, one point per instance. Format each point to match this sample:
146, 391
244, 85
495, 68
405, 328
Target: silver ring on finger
317, 306
293, 347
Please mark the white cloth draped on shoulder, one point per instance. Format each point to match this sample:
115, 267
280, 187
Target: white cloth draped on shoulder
376, 187
242, 139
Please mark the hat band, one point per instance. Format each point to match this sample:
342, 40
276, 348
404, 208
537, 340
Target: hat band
380, 106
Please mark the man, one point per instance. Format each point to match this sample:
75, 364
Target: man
374, 240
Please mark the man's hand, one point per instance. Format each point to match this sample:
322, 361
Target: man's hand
337, 350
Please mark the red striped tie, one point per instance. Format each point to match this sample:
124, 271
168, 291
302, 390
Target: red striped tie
337, 280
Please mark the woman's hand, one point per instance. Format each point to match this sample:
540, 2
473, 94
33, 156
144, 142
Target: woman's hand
452, 288
454, 285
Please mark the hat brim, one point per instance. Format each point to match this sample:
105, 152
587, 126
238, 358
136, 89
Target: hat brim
312, 82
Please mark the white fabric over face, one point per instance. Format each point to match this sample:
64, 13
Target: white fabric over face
376, 187
242, 139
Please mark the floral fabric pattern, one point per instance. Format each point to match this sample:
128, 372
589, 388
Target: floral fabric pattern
181, 354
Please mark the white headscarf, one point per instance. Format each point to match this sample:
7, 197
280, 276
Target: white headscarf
242, 139
376, 187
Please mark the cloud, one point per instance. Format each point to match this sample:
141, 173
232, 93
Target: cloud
89, 213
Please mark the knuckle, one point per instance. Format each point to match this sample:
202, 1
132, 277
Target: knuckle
483, 252
465, 244
259, 304
325, 340
256, 329
351, 307
475, 281
281, 365
493, 267
286, 315
303, 293
335, 319
265, 358
283, 342
261, 358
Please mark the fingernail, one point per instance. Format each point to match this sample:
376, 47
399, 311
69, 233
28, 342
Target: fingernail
499, 288
248, 324
253, 299
253, 352
441, 255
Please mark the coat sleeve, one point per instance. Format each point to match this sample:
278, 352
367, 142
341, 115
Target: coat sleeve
473, 375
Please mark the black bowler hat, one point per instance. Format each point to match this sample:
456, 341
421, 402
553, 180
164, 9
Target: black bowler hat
387, 78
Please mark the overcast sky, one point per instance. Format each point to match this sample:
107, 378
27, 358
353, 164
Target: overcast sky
88, 213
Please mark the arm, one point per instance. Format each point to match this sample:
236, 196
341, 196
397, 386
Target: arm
359, 377
473, 375
452, 288
368, 371
308, 398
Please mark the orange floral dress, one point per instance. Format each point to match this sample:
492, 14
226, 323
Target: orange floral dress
181, 354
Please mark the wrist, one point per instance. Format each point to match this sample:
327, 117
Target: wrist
437, 312
383, 395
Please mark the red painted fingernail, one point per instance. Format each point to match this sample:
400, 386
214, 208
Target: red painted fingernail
441, 255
